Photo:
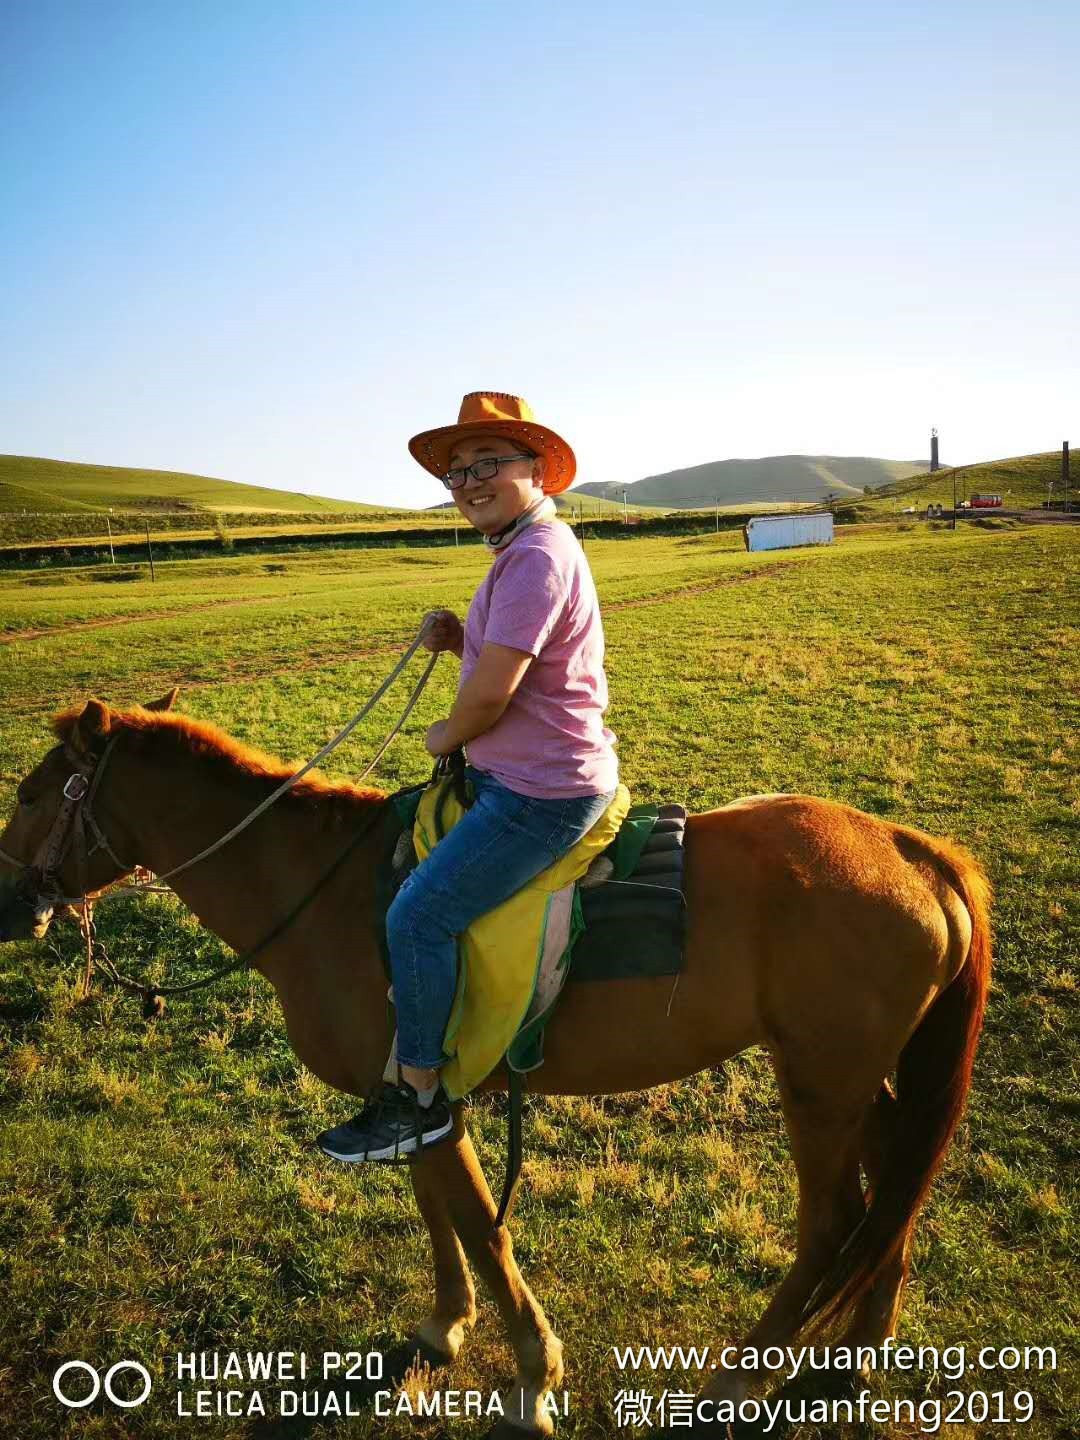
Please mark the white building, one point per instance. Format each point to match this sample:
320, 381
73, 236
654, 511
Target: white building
782, 532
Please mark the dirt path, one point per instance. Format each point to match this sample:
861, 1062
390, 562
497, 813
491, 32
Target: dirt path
315, 662
10, 637
46, 632
302, 664
740, 579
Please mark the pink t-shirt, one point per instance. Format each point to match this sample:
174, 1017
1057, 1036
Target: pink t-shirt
550, 741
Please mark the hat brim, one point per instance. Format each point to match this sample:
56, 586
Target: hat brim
432, 448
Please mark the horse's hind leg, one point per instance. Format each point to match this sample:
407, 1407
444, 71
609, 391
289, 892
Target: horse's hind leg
453, 1171
442, 1334
876, 1313
825, 1134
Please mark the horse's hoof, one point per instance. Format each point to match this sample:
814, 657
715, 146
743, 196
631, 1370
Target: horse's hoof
430, 1355
410, 1354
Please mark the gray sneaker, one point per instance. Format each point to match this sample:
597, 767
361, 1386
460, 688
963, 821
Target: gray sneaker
392, 1126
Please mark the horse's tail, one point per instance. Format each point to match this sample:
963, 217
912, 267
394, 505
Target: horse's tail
933, 1075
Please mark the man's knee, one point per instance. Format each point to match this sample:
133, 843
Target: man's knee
412, 908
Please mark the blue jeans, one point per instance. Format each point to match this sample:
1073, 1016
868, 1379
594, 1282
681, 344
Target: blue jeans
498, 846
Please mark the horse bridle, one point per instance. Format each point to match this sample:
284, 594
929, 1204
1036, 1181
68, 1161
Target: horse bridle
40, 878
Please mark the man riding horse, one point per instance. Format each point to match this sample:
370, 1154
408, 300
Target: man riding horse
530, 707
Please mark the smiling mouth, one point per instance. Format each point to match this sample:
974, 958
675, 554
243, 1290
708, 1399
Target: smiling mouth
481, 500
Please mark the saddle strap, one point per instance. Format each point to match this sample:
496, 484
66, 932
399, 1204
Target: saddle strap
514, 1095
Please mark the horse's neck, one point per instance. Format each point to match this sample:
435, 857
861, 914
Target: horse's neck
171, 811
325, 966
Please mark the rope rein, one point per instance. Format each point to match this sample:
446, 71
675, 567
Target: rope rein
153, 1003
152, 995
287, 785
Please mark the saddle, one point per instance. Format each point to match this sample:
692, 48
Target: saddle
612, 908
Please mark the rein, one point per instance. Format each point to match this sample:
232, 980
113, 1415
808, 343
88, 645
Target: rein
40, 879
153, 995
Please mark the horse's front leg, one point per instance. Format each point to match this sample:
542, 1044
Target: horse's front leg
452, 1171
442, 1334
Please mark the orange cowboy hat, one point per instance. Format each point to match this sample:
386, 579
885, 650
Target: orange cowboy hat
490, 412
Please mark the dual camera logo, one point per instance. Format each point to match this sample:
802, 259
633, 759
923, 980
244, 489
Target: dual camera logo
97, 1384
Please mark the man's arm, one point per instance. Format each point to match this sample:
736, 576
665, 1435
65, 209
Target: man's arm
498, 672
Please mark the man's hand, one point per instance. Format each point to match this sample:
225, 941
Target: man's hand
444, 631
435, 740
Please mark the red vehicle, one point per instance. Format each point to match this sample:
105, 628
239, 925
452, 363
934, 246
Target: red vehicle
985, 502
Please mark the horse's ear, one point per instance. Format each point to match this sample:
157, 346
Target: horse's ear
166, 702
90, 728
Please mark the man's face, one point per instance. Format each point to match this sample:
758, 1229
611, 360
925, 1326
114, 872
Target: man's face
490, 505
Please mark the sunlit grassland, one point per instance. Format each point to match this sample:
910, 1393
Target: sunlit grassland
158, 1192
1023, 482
45, 504
33, 482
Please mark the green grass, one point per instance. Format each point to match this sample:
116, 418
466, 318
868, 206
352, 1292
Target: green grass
49, 502
50, 483
157, 1191
1023, 483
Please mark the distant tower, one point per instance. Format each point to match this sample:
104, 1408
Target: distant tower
934, 465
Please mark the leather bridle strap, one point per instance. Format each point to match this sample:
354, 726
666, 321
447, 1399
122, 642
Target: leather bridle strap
68, 831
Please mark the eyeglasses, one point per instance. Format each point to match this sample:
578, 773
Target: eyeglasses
485, 469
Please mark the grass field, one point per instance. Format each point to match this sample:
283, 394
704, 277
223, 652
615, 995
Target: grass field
157, 1190
1024, 482
48, 502
31, 482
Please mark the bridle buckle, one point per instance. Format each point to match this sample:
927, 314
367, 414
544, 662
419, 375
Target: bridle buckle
79, 781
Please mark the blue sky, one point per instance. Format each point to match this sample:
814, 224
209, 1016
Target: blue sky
270, 241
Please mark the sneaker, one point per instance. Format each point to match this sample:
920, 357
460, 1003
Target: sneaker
391, 1126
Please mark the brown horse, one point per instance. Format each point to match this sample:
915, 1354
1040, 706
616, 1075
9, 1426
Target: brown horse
847, 946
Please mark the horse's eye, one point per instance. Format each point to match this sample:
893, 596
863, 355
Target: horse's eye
25, 801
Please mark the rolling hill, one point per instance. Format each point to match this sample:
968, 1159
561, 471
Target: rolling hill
772, 478
1023, 482
30, 483
62, 487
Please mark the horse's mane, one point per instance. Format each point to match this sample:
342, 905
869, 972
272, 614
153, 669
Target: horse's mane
339, 800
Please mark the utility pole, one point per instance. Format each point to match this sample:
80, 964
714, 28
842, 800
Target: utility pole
624, 520
150, 550
112, 552
716, 501
954, 497
1065, 471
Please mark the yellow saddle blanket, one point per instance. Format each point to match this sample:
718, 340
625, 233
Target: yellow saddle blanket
499, 954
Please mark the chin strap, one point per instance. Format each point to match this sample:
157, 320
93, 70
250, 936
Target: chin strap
542, 509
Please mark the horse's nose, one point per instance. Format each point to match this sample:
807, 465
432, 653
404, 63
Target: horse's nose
22, 917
